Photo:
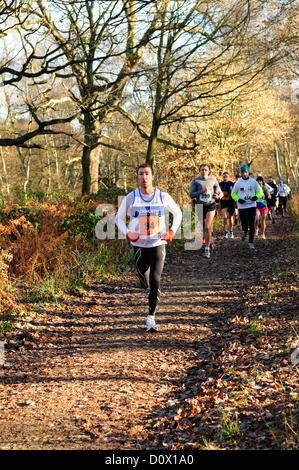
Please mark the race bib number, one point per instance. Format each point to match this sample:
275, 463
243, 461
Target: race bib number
225, 196
149, 225
205, 198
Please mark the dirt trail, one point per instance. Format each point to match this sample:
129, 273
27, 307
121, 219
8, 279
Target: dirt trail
85, 375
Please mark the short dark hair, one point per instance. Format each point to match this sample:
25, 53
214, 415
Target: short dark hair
205, 164
145, 165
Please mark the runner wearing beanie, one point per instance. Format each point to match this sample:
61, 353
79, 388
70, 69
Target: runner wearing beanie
246, 192
148, 234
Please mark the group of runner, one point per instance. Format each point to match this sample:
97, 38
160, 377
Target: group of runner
271, 199
248, 199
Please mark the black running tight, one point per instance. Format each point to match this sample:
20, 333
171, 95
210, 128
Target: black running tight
247, 217
149, 266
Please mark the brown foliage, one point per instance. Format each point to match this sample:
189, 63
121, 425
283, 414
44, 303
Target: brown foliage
38, 250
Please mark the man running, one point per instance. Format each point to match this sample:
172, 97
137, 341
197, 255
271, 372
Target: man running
271, 202
246, 192
227, 205
205, 190
147, 233
283, 192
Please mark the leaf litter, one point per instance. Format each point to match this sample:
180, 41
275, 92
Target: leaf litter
81, 373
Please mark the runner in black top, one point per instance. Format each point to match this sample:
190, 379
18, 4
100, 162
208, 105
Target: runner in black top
271, 203
227, 205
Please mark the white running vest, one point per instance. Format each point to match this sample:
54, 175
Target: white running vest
147, 218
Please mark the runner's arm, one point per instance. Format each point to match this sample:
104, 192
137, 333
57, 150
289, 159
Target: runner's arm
121, 216
174, 209
217, 190
259, 192
234, 195
195, 189
234, 192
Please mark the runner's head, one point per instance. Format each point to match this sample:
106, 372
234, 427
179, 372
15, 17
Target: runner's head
270, 179
145, 177
244, 172
280, 181
260, 180
204, 170
225, 176
145, 165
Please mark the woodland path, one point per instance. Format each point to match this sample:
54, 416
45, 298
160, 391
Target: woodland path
83, 374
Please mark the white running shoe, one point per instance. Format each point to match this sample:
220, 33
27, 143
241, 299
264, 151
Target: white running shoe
251, 246
150, 323
230, 234
207, 253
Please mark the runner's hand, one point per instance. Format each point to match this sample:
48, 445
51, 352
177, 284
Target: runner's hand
168, 237
241, 201
132, 236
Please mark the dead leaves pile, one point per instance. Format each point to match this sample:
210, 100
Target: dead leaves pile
243, 391
225, 360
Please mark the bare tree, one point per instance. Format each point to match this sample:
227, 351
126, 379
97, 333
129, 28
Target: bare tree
101, 46
86, 60
200, 63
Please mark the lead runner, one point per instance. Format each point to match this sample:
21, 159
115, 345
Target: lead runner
147, 233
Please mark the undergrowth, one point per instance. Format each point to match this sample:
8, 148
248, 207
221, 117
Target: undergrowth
49, 249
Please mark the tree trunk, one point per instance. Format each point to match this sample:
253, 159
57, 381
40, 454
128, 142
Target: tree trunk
277, 161
5, 173
284, 153
90, 156
150, 155
85, 171
94, 170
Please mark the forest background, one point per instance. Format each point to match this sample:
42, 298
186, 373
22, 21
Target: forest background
91, 89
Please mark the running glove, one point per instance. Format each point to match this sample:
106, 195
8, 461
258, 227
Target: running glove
132, 236
254, 198
241, 201
168, 237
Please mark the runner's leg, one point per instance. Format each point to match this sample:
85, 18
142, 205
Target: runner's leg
224, 213
156, 268
257, 221
231, 213
142, 263
209, 226
243, 214
251, 220
263, 222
